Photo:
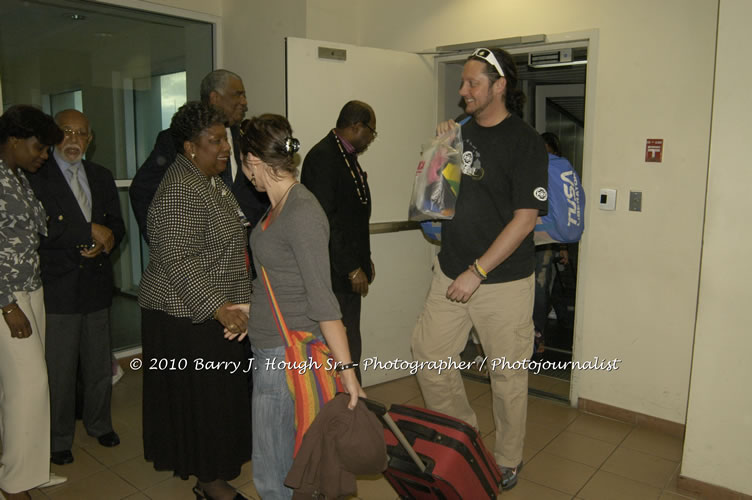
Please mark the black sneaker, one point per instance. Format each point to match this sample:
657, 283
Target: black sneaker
509, 476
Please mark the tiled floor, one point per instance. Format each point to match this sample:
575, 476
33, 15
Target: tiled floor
568, 454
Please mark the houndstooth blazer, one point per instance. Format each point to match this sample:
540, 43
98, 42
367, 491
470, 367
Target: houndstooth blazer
197, 246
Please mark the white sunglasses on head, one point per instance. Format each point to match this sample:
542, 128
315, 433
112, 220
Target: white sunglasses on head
490, 58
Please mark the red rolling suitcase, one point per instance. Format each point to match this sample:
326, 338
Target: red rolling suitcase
432, 455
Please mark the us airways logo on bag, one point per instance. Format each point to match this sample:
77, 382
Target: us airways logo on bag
572, 193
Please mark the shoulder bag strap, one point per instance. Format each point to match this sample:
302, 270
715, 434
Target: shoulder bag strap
276, 313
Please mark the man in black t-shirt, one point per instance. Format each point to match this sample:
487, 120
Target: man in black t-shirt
485, 272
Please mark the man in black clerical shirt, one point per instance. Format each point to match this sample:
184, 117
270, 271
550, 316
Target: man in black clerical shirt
331, 171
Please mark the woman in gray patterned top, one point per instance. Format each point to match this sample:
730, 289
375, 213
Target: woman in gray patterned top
291, 245
26, 135
196, 404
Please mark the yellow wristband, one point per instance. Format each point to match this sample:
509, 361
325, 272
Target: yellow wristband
475, 271
480, 269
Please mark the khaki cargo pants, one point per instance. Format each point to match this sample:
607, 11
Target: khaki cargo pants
502, 315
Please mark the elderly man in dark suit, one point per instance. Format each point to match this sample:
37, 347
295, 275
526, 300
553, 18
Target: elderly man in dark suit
222, 90
331, 171
84, 226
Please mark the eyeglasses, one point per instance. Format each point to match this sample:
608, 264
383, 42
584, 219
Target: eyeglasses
375, 134
490, 58
69, 132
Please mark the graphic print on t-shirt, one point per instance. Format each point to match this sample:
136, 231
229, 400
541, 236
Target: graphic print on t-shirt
471, 164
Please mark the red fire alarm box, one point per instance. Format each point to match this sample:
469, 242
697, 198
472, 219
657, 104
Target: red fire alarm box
654, 150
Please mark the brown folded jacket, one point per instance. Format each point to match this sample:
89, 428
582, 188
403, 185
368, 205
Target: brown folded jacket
339, 445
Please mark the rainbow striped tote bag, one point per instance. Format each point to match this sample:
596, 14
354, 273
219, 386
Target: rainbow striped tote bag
311, 377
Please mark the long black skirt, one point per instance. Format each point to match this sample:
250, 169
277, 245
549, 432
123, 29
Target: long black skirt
196, 415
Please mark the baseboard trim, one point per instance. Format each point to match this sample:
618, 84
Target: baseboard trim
707, 490
631, 417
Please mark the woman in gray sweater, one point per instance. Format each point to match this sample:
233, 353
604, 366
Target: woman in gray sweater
291, 245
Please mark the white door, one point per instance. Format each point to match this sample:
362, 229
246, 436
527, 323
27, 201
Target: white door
401, 89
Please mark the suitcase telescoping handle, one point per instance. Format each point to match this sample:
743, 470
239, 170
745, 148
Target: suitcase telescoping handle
381, 412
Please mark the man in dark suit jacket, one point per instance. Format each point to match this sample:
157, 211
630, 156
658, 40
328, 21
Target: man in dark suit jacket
84, 226
331, 172
224, 90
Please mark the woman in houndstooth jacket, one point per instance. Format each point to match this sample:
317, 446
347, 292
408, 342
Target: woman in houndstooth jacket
196, 405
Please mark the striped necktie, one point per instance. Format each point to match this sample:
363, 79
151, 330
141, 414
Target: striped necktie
78, 191
228, 175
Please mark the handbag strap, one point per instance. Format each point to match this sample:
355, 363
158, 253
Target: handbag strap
276, 313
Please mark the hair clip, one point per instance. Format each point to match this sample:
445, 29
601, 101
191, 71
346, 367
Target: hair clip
292, 145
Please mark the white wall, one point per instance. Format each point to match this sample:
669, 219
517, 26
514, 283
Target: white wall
253, 42
719, 416
335, 20
651, 77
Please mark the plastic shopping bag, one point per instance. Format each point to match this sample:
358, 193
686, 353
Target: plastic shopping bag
437, 179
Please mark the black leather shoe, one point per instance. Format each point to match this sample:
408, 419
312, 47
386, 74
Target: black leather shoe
61, 457
109, 440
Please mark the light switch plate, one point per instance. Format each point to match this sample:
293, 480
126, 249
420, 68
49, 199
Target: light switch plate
635, 201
